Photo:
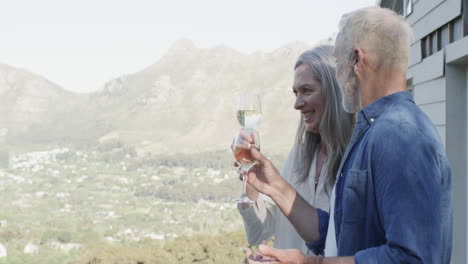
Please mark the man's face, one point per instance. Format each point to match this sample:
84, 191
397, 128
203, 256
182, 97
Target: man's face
347, 79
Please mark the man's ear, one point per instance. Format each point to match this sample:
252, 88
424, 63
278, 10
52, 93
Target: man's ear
358, 55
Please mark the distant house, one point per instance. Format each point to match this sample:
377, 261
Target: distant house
31, 249
438, 78
3, 251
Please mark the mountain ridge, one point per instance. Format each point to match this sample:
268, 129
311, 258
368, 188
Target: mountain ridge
184, 102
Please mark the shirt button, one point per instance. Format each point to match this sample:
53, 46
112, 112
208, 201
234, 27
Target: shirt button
372, 120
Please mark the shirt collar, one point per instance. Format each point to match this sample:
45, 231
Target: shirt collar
371, 112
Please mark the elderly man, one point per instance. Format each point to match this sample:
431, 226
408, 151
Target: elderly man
392, 198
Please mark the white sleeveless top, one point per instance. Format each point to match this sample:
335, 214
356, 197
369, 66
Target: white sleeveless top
331, 249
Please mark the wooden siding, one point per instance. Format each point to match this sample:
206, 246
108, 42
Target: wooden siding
429, 69
437, 17
430, 92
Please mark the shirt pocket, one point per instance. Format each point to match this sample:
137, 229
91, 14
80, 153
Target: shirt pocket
354, 196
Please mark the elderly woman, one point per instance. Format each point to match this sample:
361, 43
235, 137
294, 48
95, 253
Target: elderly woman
322, 135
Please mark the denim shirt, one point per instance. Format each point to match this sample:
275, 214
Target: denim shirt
393, 198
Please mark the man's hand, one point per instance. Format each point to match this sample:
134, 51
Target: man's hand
277, 256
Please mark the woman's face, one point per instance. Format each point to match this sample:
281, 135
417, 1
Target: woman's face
309, 99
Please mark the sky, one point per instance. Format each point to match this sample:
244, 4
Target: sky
82, 44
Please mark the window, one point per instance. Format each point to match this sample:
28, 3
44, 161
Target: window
465, 17
441, 37
407, 7
402, 7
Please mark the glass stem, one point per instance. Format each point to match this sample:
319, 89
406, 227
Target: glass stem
244, 187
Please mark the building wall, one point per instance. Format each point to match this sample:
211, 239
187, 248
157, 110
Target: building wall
457, 143
430, 96
427, 75
429, 88
429, 15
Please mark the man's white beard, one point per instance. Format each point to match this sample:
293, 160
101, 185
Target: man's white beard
351, 97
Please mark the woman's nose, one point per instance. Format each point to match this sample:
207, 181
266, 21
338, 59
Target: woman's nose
299, 103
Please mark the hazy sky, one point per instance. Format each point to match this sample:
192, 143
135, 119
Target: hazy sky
82, 44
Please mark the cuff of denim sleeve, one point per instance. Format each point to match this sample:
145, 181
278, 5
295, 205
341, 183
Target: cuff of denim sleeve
323, 223
318, 246
366, 256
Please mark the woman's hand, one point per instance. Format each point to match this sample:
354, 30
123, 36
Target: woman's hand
264, 177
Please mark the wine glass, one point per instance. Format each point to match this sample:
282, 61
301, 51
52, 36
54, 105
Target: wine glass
249, 110
244, 141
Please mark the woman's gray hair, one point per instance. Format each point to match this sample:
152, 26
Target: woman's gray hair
379, 30
336, 125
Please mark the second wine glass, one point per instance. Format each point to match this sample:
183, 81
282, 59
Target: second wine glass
244, 141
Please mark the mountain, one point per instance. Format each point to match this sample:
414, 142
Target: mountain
25, 98
34, 110
185, 102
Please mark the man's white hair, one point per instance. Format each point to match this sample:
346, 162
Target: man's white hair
381, 32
